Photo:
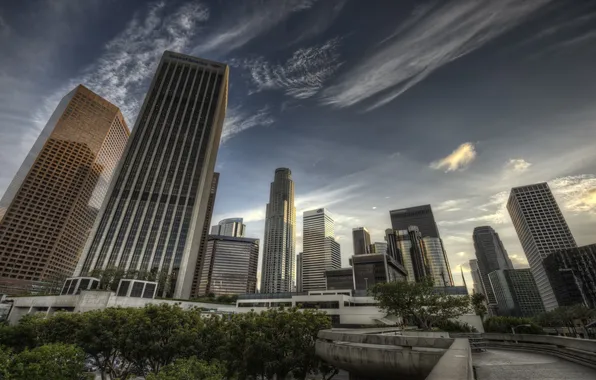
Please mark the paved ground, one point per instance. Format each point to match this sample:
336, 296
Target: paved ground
518, 365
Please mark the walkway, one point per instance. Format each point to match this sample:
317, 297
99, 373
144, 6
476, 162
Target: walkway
519, 365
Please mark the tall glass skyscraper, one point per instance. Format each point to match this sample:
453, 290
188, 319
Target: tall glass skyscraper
279, 251
320, 250
52, 202
229, 227
438, 263
419, 216
413, 253
541, 229
153, 219
361, 240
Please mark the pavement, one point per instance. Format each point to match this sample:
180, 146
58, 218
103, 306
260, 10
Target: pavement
518, 365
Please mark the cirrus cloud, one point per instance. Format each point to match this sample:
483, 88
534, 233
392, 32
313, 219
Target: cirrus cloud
518, 165
459, 159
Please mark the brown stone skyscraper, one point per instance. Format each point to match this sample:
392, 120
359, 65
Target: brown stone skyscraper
51, 204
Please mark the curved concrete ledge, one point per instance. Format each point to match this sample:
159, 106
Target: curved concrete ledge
455, 364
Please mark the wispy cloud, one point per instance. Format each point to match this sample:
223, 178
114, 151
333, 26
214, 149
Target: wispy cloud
301, 76
518, 165
578, 192
459, 159
238, 120
439, 35
253, 19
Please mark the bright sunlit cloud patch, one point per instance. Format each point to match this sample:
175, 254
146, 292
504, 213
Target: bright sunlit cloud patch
459, 159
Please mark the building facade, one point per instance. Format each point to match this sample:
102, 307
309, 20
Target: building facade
438, 263
419, 216
361, 241
299, 272
320, 250
153, 220
516, 293
379, 247
279, 250
572, 274
490, 256
541, 229
413, 252
52, 202
229, 227
477, 277
196, 280
230, 266
376, 268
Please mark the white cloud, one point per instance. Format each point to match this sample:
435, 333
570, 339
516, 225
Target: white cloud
301, 76
518, 165
433, 37
237, 121
459, 159
578, 193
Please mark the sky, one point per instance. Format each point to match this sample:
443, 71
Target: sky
374, 105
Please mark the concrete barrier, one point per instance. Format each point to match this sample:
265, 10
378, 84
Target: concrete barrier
455, 364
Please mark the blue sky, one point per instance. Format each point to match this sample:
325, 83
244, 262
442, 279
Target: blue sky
374, 105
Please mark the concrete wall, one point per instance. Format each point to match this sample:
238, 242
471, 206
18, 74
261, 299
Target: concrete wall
455, 364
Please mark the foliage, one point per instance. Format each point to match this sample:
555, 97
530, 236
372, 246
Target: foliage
565, 316
504, 325
190, 369
419, 301
5, 361
455, 326
478, 301
48, 362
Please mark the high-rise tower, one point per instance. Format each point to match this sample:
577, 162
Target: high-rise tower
278, 270
321, 252
419, 216
153, 219
541, 229
229, 227
53, 200
361, 240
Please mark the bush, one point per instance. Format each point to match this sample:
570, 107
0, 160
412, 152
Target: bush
190, 369
504, 325
455, 326
48, 362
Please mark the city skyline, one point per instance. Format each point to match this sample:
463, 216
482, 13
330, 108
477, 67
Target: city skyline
478, 132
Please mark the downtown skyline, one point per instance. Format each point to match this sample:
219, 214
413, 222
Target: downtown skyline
479, 132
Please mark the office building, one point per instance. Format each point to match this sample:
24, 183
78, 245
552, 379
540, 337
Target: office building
53, 200
515, 292
379, 247
320, 250
376, 268
230, 266
477, 277
340, 279
361, 240
196, 280
393, 246
153, 220
438, 263
229, 227
279, 250
572, 274
541, 229
491, 256
299, 272
413, 253
419, 216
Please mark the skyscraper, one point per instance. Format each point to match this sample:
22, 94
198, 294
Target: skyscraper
229, 227
361, 240
321, 251
542, 229
438, 264
490, 255
154, 218
413, 252
477, 277
516, 292
196, 280
299, 272
53, 200
229, 266
379, 247
419, 216
277, 273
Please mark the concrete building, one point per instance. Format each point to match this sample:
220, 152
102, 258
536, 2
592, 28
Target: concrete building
437, 260
490, 256
230, 266
196, 279
229, 227
361, 240
476, 277
572, 274
413, 252
420, 216
541, 229
53, 200
379, 247
153, 219
279, 250
320, 250
516, 292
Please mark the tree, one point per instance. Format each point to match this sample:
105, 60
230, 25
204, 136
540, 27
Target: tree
419, 301
5, 362
48, 362
504, 324
479, 304
190, 369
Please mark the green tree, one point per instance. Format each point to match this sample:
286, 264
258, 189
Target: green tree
48, 362
190, 369
504, 324
419, 301
479, 304
5, 362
